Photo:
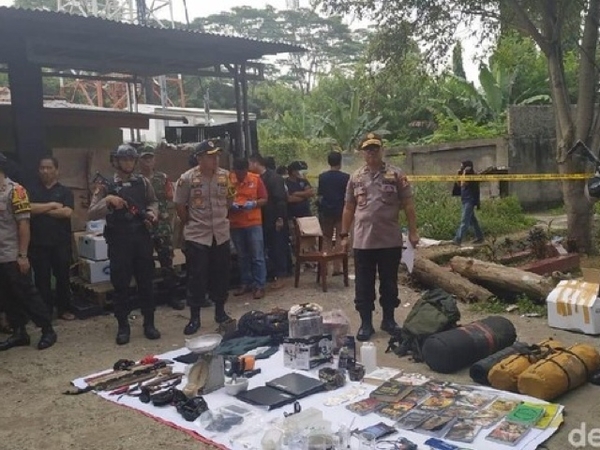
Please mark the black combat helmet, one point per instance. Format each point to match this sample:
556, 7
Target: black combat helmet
126, 151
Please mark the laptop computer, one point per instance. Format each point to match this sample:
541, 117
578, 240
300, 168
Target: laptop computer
266, 397
298, 385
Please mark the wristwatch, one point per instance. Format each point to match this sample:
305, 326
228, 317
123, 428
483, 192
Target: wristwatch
344, 235
22, 255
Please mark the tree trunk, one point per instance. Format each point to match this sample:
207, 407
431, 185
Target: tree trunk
579, 210
430, 274
507, 278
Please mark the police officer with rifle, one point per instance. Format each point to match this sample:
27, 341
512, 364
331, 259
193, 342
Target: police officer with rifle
130, 207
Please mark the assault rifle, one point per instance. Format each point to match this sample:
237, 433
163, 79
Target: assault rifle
593, 184
133, 210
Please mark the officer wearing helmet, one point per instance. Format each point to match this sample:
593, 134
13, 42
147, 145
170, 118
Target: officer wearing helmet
21, 300
203, 197
130, 207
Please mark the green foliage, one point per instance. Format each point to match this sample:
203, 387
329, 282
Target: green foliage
344, 124
438, 213
450, 129
288, 149
330, 42
524, 305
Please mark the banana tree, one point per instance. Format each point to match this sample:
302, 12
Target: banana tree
345, 124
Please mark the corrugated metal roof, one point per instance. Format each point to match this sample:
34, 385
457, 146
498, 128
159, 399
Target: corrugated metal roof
61, 40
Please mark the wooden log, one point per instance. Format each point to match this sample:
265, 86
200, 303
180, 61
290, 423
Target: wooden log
507, 278
433, 275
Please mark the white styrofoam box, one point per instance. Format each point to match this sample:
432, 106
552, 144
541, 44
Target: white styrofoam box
93, 247
95, 226
574, 305
94, 271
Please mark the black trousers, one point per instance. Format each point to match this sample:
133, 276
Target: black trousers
369, 263
204, 263
52, 260
277, 247
164, 250
131, 255
21, 299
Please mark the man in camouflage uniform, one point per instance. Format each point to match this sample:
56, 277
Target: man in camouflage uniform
162, 234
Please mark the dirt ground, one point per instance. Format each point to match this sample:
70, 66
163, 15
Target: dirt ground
35, 415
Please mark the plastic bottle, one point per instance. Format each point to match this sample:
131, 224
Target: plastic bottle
368, 356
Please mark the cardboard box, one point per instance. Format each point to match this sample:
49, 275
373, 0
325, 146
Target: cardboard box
94, 271
591, 275
93, 247
307, 353
574, 305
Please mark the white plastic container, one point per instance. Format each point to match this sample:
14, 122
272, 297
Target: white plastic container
368, 356
575, 306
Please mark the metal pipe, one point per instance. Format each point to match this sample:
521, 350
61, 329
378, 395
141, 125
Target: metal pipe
247, 140
238, 109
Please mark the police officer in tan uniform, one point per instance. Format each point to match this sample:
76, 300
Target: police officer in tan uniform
375, 195
21, 299
203, 197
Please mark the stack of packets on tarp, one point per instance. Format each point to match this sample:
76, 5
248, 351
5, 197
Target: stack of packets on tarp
307, 346
456, 413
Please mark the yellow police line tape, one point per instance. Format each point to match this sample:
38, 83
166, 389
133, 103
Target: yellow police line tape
502, 177
494, 177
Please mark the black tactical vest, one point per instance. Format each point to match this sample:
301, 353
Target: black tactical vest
133, 192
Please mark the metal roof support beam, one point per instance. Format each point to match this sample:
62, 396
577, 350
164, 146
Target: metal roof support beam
239, 135
247, 140
27, 98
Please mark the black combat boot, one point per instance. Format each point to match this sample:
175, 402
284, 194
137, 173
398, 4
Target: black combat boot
48, 338
366, 329
150, 330
388, 324
220, 315
123, 332
19, 338
194, 323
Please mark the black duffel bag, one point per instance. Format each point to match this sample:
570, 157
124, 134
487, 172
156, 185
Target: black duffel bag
452, 350
480, 370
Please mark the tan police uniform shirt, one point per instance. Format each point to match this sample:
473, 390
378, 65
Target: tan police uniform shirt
207, 199
379, 197
14, 207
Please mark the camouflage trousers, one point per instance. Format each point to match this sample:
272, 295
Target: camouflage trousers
163, 246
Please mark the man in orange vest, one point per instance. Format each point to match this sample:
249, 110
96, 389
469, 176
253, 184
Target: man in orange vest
245, 219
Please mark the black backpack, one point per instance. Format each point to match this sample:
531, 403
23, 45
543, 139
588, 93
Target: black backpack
434, 312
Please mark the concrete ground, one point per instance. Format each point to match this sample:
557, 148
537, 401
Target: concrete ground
35, 415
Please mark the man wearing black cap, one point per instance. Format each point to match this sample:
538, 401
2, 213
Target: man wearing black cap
130, 207
470, 199
20, 297
203, 197
375, 195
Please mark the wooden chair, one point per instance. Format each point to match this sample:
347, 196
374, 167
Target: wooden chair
308, 247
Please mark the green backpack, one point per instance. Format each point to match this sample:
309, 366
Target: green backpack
434, 312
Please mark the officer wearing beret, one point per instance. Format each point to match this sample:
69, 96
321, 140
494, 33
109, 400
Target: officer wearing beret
21, 300
130, 207
203, 197
375, 195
